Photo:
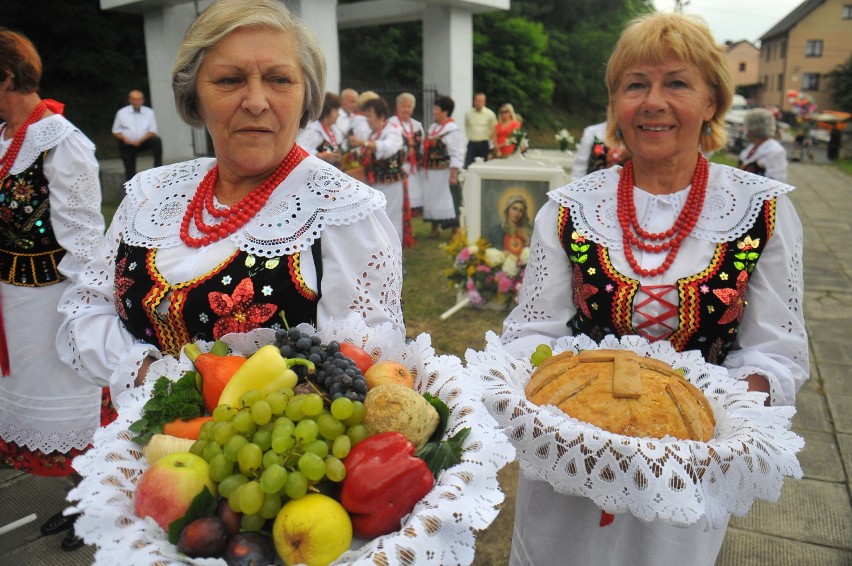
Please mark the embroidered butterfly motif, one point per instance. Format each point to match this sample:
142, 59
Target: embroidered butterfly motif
734, 299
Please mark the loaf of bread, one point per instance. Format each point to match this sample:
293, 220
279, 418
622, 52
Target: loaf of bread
624, 393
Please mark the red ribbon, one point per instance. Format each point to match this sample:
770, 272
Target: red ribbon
4, 348
606, 519
54, 106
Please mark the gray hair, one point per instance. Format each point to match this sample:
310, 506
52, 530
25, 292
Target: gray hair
219, 20
759, 123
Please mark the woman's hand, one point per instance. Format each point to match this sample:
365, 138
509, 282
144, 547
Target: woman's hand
759, 383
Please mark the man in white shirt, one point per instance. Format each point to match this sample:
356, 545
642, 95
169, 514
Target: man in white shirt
135, 127
348, 103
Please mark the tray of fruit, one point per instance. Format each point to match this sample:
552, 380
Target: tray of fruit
707, 466
351, 445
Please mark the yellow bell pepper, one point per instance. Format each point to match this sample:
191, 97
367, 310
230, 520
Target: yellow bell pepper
266, 371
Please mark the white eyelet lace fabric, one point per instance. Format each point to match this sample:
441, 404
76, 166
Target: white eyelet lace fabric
43, 136
440, 530
733, 202
673, 481
313, 195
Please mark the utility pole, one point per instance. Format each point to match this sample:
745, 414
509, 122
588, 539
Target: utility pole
680, 5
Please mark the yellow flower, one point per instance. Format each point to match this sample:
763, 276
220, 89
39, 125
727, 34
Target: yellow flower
748, 243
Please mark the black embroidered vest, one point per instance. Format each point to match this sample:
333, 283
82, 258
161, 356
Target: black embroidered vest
436, 155
710, 303
29, 252
242, 293
387, 171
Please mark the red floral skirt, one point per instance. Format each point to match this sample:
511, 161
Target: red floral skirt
54, 463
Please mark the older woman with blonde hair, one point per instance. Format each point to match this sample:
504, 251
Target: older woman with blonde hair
261, 234
663, 236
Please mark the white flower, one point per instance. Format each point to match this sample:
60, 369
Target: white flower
494, 257
510, 265
473, 250
525, 256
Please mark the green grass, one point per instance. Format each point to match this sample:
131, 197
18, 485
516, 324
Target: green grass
427, 294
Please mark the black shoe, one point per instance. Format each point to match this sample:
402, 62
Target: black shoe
71, 541
58, 523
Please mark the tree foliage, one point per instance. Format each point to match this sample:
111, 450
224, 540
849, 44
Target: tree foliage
840, 85
91, 58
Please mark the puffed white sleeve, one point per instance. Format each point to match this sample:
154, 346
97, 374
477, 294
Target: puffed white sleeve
309, 139
775, 164
390, 143
362, 272
75, 201
92, 340
772, 339
455, 147
545, 303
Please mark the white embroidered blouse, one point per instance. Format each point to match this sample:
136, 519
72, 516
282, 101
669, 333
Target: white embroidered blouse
361, 256
772, 340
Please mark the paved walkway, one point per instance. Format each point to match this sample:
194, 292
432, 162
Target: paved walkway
811, 524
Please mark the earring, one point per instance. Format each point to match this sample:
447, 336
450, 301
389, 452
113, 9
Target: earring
708, 130
618, 133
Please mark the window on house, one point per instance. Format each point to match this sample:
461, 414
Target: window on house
810, 81
813, 48
847, 11
780, 81
742, 67
783, 50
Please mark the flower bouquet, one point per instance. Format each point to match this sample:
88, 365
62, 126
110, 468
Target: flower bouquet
487, 275
564, 139
441, 527
518, 138
351, 164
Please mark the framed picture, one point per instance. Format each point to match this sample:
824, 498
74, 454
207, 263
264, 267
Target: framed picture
506, 190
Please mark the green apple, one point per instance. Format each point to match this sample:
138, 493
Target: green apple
166, 489
312, 530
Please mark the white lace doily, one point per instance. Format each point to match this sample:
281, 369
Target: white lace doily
673, 481
440, 530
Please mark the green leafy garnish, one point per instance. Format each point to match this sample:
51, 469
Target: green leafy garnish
203, 505
437, 453
170, 400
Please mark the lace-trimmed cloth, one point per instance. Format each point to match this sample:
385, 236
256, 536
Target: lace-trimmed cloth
675, 482
42, 136
733, 202
440, 530
313, 196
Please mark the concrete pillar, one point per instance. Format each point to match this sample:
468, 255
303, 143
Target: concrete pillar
321, 17
448, 55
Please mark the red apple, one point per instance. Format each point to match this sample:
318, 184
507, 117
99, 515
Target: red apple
166, 489
388, 372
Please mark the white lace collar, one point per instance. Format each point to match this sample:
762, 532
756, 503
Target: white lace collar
42, 136
734, 200
314, 196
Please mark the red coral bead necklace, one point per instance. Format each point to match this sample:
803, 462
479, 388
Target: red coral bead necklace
658, 242
11, 153
234, 217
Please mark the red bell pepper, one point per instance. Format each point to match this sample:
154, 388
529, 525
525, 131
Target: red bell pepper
384, 480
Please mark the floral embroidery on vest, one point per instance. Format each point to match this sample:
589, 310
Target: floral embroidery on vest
242, 293
29, 251
710, 304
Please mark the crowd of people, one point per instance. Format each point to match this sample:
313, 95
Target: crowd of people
327, 183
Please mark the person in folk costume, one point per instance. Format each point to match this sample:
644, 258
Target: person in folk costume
322, 137
593, 154
358, 125
705, 256
382, 160
764, 155
258, 234
443, 156
51, 223
412, 134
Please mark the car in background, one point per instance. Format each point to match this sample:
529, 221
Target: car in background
734, 119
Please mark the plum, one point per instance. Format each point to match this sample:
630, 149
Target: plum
250, 549
229, 516
204, 538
